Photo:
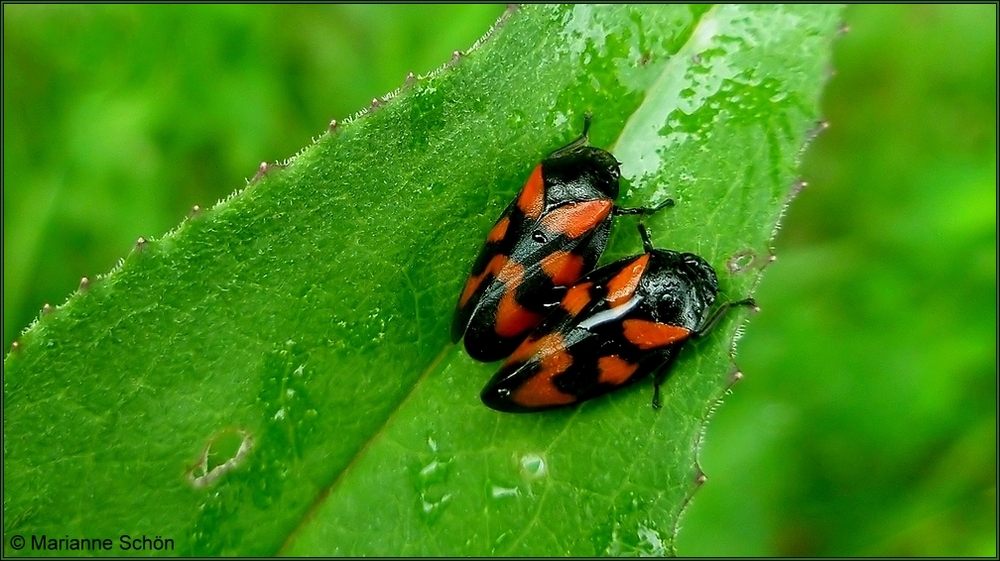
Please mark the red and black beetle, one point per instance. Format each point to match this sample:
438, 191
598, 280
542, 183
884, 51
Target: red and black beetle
552, 233
616, 325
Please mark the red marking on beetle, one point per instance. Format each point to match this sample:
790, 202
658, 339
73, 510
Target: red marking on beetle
523, 352
577, 298
539, 390
470, 288
493, 268
576, 219
622, 286
532, 347
615, 370
563, 267
511, 273
650, 334
512, 318
499, 230
533, 195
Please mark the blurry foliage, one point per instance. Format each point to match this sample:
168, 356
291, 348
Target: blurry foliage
118, 119
866, 424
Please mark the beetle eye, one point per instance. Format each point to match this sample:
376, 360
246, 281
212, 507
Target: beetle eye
538, 236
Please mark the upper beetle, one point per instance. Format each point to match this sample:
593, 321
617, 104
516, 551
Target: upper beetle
618, 324
552, 233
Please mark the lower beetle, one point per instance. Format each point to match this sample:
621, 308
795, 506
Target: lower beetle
616, 325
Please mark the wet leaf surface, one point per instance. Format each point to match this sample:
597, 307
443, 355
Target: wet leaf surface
275, 375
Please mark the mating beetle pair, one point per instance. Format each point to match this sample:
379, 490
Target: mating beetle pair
570, 337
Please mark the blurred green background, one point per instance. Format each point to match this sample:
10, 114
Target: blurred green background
866, 424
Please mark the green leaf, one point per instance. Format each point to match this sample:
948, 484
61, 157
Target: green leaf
276, 376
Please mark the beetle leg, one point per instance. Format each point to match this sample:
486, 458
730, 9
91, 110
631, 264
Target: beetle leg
658, 378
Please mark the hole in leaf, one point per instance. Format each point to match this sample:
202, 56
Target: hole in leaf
225, 451
741, 261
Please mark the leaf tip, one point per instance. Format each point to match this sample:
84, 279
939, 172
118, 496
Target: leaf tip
332, 126
84, 284
141, 243
46, 309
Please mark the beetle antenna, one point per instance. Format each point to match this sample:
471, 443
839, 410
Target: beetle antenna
579, 141
645, 211
588, 118
719, 313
